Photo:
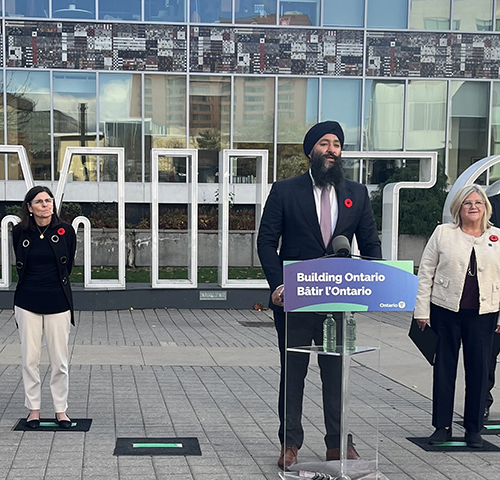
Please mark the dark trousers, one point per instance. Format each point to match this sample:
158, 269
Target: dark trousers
302, 330
493, 366
475, 332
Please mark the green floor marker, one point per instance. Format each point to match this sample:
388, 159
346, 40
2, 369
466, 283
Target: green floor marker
157, 445
53, 424
492, 427
452, 444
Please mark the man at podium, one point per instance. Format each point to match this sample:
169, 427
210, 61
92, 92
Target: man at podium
301, 217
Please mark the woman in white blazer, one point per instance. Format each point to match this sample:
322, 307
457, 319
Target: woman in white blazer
459, 293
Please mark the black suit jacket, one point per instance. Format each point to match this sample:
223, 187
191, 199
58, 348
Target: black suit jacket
290, 217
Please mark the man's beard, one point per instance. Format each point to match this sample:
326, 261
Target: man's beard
326, 173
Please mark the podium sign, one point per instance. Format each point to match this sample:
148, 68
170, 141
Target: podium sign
349, 285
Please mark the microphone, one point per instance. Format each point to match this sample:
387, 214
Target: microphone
341, 246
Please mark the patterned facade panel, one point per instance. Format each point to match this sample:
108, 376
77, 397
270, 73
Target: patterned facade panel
433, 55
276, 51
96, 46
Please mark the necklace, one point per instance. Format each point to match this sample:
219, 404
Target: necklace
42, 233
472, 268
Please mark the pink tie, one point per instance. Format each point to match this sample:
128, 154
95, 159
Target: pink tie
326, 216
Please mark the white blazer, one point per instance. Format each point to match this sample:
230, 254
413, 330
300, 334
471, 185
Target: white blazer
443, 267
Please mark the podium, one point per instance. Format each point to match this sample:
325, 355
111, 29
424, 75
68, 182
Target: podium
314, 288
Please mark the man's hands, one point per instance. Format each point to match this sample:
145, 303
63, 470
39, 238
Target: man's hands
277, 296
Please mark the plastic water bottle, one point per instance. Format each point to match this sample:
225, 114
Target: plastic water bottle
350, 332
329, 334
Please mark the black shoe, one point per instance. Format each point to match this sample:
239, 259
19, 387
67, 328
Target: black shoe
35, 423
63, 423
440, 435
486, 413
473, 439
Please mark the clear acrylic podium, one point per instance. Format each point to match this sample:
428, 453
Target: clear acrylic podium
314, 288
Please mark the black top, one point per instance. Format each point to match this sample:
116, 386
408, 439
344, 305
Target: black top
44, 266
470, 293
41, 291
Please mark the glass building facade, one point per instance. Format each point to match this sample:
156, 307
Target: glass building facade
399, 75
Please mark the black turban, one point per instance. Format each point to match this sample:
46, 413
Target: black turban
318, 131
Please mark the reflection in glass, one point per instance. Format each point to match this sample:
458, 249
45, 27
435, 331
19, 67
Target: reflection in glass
27, 8
165, 10
305, 12
28, 121
430, 14
387, 13
172, 169
75, 121
255, 12
253, 126
2, 129
120, 118
297, 112
341, 101
384, 107
164, 114
468, 138
120, 10
209, 122
472, 15
211, 11
495, 130
73, 8
337, 15
426, 117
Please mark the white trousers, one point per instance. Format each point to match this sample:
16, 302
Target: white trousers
56, 327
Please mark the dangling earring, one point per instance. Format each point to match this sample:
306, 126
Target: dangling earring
31, 214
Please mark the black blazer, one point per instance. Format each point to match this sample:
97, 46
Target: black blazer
290, 217
62, 239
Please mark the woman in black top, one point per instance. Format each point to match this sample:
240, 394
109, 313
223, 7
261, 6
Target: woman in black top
45, 249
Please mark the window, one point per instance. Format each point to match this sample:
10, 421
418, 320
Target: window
337, 15
341, 101
211, 11
471, 15
209, 133
165, 10
468, 125
75, 124
28, 121
294, 119
304, 12
426, 116
387, 13
384, 107
120, 119
84, 9
255, 12
165, 128
27, 8
430, 14
120, 10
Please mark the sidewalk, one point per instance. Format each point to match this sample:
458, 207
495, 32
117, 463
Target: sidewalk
213, 374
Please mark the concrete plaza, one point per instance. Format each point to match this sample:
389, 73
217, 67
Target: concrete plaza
213, 374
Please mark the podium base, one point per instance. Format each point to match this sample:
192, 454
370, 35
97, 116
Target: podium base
327, 476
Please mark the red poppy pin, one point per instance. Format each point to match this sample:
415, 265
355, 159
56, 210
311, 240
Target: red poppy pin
493, 238
348, 202
61, 231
